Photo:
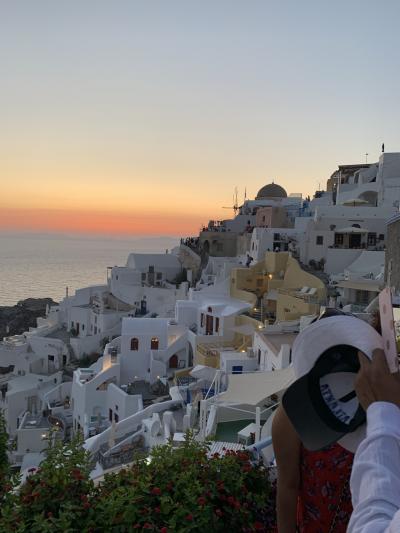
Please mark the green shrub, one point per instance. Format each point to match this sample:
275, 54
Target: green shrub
179, 490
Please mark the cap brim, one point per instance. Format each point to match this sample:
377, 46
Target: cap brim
312, 431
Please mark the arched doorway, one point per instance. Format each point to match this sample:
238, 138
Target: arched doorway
154, 343
173, 361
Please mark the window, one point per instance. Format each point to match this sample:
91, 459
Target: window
95, 330
209, 309
151, 269
72, 325
320, 240
154, 343
202, 320
159, 275
259, 356
216, 324
116, 277
355, 226
51, 357
277, 236
83, 327
116, 417
134, 344
381, 237
263, 218
110, 415
116, 407
237, 369
371, 239
143, 276
338, 239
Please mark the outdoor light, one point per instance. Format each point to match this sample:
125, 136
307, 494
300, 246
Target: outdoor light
270, 276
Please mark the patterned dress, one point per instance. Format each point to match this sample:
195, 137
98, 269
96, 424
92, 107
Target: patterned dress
324, 504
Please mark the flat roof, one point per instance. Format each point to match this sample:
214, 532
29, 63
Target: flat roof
275, 340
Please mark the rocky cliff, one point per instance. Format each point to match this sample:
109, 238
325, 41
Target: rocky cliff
21, 317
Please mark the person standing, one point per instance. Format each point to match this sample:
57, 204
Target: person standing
375, 479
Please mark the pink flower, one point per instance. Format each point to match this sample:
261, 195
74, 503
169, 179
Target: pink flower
156, 491
189, 517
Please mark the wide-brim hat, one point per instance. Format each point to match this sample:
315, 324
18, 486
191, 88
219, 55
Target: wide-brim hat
321, 403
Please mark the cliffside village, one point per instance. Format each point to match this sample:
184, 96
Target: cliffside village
200, 338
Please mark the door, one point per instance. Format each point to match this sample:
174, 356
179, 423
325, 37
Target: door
173, 361
209, 325
354, 240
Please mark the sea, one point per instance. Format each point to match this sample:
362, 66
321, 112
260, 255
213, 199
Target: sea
42, 266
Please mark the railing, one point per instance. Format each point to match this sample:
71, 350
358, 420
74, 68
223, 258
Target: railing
309, 298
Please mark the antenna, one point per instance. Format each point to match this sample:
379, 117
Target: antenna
235, 205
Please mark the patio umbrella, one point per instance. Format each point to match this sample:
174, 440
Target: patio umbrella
351, 229
355, 201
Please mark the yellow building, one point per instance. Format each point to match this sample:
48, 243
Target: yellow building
278, 288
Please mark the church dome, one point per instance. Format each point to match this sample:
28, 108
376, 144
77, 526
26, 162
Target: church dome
272, 190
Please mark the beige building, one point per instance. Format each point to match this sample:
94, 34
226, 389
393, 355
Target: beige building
278, 288
272, 217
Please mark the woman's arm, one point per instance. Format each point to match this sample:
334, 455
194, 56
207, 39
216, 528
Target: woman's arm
287, 447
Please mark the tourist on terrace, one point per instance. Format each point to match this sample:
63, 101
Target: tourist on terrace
314, 465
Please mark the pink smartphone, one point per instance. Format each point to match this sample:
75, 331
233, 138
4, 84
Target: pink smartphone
388, 332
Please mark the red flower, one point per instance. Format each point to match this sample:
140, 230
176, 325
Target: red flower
231, 500
201, 500
146, 525
77, 474
157, 510
258, 526
164, 530
156, 491
86, 505
189, 517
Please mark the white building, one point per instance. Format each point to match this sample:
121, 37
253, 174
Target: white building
148, 350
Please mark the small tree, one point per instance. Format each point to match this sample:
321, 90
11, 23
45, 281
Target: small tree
4, 465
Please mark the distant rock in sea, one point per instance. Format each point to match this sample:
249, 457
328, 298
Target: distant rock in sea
21, 317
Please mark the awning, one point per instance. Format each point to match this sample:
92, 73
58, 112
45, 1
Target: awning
254, 388
203, 372
359, 285
351, 229
245, 329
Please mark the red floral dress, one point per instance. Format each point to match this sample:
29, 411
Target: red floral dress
324, 504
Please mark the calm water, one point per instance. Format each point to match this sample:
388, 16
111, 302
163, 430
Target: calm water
43, 266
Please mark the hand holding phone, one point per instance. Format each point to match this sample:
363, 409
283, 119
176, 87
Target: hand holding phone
388, 332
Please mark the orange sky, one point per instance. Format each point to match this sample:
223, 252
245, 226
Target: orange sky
140, 121
98, 222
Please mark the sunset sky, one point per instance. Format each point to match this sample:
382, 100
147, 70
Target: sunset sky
141, 117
